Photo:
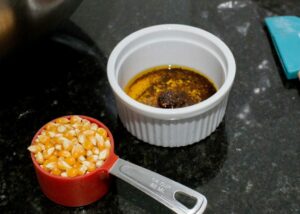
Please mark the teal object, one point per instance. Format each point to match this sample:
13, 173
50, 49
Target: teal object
285, 34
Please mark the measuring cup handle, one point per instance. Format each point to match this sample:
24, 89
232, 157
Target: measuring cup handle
162, 189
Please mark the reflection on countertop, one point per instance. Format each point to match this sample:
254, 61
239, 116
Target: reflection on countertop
248, 165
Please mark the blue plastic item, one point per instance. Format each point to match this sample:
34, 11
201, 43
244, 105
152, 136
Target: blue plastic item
285, 34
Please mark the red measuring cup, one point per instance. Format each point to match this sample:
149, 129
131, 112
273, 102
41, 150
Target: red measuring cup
85, 189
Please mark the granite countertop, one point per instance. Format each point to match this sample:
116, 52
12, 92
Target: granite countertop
250, 164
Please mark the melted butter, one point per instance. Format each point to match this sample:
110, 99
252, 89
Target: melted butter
170, 86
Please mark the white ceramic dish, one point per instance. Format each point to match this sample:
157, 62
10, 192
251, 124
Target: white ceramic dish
171, 44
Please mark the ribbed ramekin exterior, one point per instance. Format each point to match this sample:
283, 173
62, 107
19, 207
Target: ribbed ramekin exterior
172, 133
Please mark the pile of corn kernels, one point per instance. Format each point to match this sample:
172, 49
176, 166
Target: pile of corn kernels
71, 147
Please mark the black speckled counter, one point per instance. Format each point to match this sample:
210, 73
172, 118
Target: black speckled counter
250, 164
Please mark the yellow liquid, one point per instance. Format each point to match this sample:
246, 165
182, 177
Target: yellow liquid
170, 87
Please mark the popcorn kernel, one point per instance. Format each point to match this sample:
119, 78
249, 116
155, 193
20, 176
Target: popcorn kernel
71, 147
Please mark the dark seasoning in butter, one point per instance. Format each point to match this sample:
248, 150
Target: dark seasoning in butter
170, 86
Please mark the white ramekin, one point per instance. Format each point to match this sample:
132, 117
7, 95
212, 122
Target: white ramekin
171, 44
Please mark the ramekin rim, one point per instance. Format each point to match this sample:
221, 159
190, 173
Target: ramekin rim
176, 113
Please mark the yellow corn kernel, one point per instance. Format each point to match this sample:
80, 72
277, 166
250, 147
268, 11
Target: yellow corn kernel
94, 127
67, 144
102, 132
99, 163
85, 121
70, 134
90, 165
62, 164
51, 126
100, 146
58, 147
58, 135
64, 174
52, 158
77, 150
64, 153
75, 154
92, 158
46, 162
42, 146
89, 153
34, 148
93, 140
55, 171
70, 160
44, 139
62, 120
103, 154
75, 140
47, 153
50, 151
86, 124
44, 168
55, 153
50, 166
81, 158
55, 140
75, 119
77, 126
72, 172
82, 170
39, 158
107, 144
88, 132
95, 151
77, 165
81, 138
100, 142
68, 126
48, 144
99, 138
85, 127
51, 134
87, 145
61, 128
